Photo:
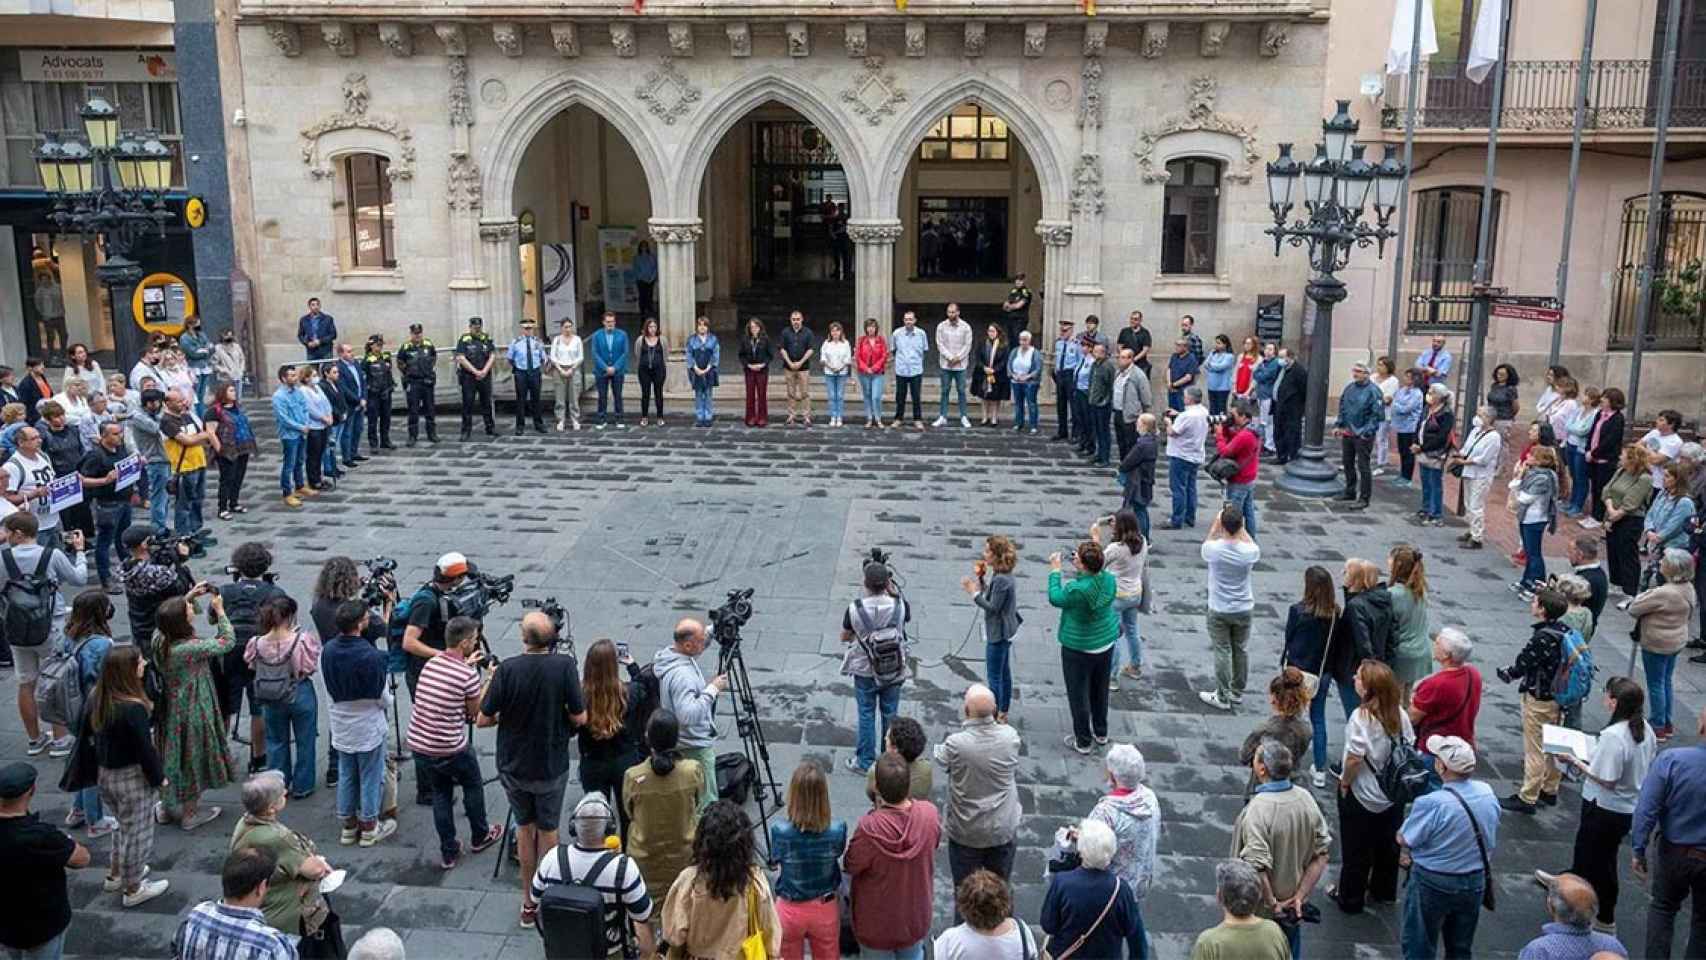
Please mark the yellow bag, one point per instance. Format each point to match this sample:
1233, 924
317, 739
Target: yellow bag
752, 948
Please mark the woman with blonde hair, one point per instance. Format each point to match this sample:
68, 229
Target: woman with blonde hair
1127, 559
993, 592
1288, 697
1368, 612
1412, 653
1368, 820
75, 400
613, 737
836, 355
1624, 501
1537, 491
806, 847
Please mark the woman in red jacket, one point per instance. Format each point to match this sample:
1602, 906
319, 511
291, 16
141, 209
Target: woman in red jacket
872, 358
1243, 377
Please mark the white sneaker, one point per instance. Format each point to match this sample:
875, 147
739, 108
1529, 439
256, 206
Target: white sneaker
940, 422
1589, 523
1212, 698
1317, 778
112, 884
146, 892
102, 827
380, 831
60, 748
75, 819
965, 423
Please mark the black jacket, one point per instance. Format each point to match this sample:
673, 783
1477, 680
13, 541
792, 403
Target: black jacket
1369, 616
1293, 392
1599, 587
1139, 469
1537, 663
1434, 437
29, 394
1610, 445
1308, 648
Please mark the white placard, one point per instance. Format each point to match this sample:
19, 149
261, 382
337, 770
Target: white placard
64, 492
98, 66
1563, 741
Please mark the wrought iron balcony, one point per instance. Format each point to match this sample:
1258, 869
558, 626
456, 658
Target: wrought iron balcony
1540, 97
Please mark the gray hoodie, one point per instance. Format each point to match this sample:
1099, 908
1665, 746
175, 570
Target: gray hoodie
1135, 818
683, 691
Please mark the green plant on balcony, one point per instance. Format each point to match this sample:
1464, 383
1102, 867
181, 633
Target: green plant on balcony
1682, 294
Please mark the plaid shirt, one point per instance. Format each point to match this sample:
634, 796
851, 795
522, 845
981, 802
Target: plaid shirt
215, 931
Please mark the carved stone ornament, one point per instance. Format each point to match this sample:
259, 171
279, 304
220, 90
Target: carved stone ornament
740, 40
681, 39
463, 190
799, 39
1214, 34
1275, 35
1036, 38
622, 39
354, 116
874, 232
1095, 38
453, 37
508, 38
1054, 233
1200, 115
1155, 38
977, 37
1087, 193
566, 37
499, 232
395, 37
676, 232
856, 39
340, 37
915, 34
1090, 94
287, 37
461, 110
666, 93
873, 94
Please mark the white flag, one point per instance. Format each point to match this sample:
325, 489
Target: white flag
1404, 16
1484, 48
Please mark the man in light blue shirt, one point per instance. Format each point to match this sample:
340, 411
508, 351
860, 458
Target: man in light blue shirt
527, 359
1447, 868
908, 345
1068, 357
290, 412
1435, 361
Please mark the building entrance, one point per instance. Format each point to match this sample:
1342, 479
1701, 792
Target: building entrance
800, 205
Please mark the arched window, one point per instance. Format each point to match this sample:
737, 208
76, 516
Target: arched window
1190, 224
1676, 318
367, 232
1442, 272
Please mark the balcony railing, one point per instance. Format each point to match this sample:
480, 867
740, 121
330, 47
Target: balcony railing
1540, 96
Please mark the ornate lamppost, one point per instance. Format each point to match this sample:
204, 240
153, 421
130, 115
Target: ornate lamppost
111, 185
1336, 187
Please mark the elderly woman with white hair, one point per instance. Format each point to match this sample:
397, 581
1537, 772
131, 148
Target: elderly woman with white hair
1089, 911
378, 943
1241, 933
1446, 701
293, 903
1662, 615
1432, 447
1131, 811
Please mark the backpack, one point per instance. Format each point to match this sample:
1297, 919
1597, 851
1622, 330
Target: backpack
1405, 776
884, 646
59, 686
276, 680
1573, 680
651, 692
28, 601
243, 606
735, 777
397, 661
571, 913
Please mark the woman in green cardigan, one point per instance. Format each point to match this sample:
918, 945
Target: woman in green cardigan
1088, 628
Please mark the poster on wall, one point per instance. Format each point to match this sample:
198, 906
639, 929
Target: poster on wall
557, 267
616, 264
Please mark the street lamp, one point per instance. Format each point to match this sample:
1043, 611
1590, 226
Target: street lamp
109, 184
1337, 186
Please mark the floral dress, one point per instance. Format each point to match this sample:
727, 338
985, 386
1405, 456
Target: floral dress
190, 733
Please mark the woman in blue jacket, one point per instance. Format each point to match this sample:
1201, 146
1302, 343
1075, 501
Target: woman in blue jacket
1266, 372
1406, 412
807, 847
703, 355
1218, 366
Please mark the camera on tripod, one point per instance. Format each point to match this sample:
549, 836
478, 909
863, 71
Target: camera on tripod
565, 642
379, 581
727, 619
478, 593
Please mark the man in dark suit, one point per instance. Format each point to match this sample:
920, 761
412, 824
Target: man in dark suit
1291, 391
316, 331
352, 386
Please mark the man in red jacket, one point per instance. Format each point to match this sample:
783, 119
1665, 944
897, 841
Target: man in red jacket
1237, 441
891, 860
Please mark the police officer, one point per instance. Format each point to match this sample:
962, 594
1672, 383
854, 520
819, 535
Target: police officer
418, 361
527, 359
1016, 310
376, 371
475, 355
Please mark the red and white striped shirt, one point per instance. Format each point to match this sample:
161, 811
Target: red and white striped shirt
438, 723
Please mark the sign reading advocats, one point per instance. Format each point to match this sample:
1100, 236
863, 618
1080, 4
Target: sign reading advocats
98, 66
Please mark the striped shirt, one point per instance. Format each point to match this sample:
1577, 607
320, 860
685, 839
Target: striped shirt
217, 931
619, 882
438, 723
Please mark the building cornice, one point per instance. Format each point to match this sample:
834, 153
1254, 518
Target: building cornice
824, 11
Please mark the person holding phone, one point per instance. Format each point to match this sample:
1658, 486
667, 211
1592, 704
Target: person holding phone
191, 732
613, 737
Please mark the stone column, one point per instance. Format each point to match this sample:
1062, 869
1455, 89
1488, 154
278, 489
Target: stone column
499, 300
873, 273
1057, 252
1088, 197
675, 241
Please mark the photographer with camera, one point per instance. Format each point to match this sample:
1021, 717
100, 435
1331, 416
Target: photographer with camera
446, 700
874, 630
683, 691
423, 639
155, 570
1236, 441
251, 586
535, 702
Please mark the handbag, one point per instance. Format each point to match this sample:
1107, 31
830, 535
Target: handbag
1487, 898
1312, 681
752, 947
172, 481
1076, 944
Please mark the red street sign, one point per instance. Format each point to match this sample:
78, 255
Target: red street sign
1513, 308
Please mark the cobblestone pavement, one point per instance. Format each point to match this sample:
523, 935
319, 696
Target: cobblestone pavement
634, 529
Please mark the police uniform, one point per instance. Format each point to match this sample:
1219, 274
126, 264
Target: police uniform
418, 363
1015, 322
477, 348
376, 370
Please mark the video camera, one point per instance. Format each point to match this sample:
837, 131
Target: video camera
380, 580
552, 609
163, 551
235, 574
727, 619
478, 593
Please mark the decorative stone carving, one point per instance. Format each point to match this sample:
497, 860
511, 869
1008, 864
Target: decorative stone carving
507, 36
452, 36
1275, 35
1200, 115
977, 37
1095, 38
1057, 93
461, 110
500, 231
1054, 233
740, 39
915, 35
354, 116
340, 37
681, 39
287, 37
1036, 38
874, 232
1090, 94
676, 232
493, 93
666, 93
566, 37
799, 39
463, 184
855, 38
874, 94
1154, 38
1087, 193
395, 37
622, 39
1214, 34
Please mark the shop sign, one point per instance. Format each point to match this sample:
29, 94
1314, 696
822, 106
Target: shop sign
98, 66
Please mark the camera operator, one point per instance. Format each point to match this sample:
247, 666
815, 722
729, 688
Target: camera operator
682, 690
535, 702
340, 580
149, 579
423, 639
871, 625
243, 598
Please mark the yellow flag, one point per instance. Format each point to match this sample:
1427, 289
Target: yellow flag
1089, 8
900, 5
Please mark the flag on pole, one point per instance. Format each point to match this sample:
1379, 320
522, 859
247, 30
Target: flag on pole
1484, 48
1404, 15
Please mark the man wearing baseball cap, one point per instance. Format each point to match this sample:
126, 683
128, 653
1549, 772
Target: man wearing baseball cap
423, 639
1067, 356
1448, 841
36, 854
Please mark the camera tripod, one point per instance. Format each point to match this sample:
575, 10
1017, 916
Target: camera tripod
753, 745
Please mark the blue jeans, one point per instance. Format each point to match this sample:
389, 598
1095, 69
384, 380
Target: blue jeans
290, 469
1441, 903
192, 487
914, 952
448, 773
871, 389
956, 378
1137, 943
1182, 484
1578, 460
55, 948
837, 384
334, 443
1101, 421
1025, 404
1293, 938
869, 699
155, 476
1130, 641
1659, 668
201, 382
301, 717
1433, 492
1534, 570
352, 428
702, 404
1243, 496
110, 524
998, 671
1318, 714
609, 383
361, 782
88, 800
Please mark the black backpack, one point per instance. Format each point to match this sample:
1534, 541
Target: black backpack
28, 601
735, 777
243, 600
571, 913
